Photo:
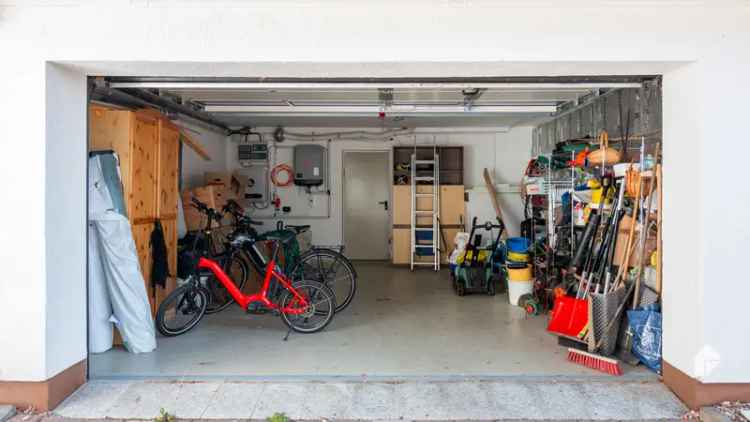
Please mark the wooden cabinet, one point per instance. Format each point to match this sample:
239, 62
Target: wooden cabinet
451, 162
147, 146
452, 205
452, 217
401, 248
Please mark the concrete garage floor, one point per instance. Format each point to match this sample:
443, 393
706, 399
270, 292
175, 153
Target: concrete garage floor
400, 325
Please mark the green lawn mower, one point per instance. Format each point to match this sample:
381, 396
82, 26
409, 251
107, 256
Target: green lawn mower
478, 269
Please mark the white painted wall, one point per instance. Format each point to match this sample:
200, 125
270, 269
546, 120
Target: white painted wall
699, 46
66, 160
505, 154
193, 165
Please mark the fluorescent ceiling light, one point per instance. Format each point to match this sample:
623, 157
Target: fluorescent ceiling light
392, 111
375, 85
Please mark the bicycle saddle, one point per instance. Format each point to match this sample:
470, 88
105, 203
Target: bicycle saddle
298, 229
279, 236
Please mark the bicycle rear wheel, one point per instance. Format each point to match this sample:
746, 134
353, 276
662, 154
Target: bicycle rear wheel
219, 297
181, 310
330, 268
319, 312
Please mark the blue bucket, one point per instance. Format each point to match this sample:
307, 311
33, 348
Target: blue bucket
518, 244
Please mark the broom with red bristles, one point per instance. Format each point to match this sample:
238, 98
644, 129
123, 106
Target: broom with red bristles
594, 361
598, 362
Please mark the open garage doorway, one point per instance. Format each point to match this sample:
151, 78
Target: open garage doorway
458, 155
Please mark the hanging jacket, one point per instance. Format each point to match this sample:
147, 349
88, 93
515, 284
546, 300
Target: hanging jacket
159, 256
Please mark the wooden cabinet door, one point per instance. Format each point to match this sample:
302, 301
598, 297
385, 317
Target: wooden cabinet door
143, 172
452, 206
142, 240
167, 189
401, 246
167, 162
141, 193
402, 205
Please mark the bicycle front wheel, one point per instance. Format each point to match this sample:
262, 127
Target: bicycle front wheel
330, 268
317, 314
181, 310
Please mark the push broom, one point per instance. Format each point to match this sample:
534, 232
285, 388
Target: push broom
598, 362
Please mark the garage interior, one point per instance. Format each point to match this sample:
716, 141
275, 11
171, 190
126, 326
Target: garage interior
526, 152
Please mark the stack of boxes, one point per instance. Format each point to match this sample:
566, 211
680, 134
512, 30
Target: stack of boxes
218, 189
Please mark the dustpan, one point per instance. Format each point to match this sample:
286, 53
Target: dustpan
570, 316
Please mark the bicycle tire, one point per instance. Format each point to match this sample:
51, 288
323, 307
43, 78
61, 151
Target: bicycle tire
310, 267
219, 297
176, 297
323, 302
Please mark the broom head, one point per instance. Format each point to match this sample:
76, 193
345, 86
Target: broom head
594, 361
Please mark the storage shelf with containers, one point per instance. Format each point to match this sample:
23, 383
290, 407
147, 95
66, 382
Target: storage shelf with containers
452, 205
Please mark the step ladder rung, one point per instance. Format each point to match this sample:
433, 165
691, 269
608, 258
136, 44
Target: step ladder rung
424, 239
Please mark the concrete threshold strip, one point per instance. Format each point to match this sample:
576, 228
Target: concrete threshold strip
552, 399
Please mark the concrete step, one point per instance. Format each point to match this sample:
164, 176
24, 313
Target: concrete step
511, 398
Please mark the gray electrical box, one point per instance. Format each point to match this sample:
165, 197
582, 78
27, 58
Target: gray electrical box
309, 165
256, 190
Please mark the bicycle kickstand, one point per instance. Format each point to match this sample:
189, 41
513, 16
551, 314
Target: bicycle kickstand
286, 337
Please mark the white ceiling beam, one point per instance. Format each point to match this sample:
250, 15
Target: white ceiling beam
375, 85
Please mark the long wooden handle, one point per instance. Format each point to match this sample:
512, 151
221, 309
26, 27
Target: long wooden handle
658, 231
626, 261
603, 145
644, 237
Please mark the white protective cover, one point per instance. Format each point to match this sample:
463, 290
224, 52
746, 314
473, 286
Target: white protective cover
114, 272
100, 308
127, 290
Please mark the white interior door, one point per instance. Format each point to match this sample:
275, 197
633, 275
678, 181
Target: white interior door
366, 204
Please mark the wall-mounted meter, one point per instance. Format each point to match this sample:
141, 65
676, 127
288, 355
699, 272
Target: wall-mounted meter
309, 165
251, 154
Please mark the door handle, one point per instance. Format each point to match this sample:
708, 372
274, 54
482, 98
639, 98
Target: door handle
384, 204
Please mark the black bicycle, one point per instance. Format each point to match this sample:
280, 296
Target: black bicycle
323, 265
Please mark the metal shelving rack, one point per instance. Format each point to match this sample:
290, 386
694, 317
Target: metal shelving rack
555, 184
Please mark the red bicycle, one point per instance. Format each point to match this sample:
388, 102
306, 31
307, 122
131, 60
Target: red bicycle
305, 306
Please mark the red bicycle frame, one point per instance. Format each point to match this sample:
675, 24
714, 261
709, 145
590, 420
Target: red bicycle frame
296, 307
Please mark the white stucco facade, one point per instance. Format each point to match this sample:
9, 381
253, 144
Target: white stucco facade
48, 47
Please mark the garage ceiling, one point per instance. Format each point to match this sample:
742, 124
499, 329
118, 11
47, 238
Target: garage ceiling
374, 104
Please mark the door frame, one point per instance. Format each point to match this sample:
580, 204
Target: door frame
389, 173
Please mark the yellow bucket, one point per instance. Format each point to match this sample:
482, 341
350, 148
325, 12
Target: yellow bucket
520, 274
518, 256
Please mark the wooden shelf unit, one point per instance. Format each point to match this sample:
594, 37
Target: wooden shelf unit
452, 205
451, 163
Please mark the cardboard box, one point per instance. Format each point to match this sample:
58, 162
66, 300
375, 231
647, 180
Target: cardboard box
215, 196
194, 219
212, 195
217, 178
233, 183
622, 242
